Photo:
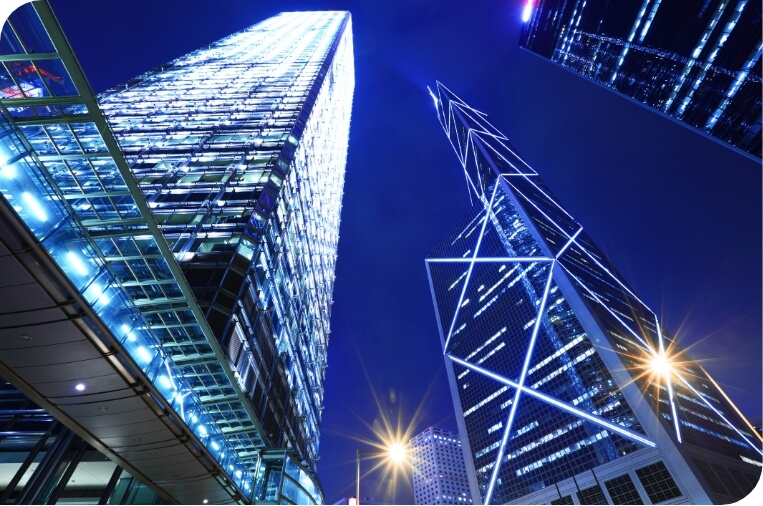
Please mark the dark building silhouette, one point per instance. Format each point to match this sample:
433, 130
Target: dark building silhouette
696, 62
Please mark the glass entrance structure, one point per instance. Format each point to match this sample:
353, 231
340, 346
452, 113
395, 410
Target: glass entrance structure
564, 382
170, 249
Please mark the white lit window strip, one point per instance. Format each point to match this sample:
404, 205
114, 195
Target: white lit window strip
589, 352
495, 427
528, 324
753, 446
459, 329
487, 450
750, 461
522, 377
469, 273
570, 449
490, 340
503, 290
485, 400
557, 353
498, 283
492, 352
714, 434
451, 287
556, 402
544, 439
605, 306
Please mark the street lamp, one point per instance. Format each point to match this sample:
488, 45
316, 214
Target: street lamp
396, 452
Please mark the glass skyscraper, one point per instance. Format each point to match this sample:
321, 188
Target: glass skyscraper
696, 62
170, 249
566, 387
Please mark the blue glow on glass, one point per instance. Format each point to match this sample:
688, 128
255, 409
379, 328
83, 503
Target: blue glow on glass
76, 262
144, 354
35, 206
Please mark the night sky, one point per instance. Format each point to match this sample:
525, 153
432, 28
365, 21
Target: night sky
677, 213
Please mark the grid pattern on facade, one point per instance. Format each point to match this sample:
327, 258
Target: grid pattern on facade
567, 499
439, 473
658, 482
591, 495
236, 183
700, 64
622, 490
519, 353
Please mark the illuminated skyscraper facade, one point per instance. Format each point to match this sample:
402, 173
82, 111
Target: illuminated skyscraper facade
698, 63
565, 385
182, 232
439, 474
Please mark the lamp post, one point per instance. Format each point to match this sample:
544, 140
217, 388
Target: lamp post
396, 452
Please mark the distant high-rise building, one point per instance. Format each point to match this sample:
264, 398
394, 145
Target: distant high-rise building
168, 256
439, 474
696, 62
565, 384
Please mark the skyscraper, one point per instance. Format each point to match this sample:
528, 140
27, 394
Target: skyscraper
563, 381
439, 474
697, 63
177, 239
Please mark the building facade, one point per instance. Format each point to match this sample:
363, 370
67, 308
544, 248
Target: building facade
439, 473
565, 385
698, 64
178, 238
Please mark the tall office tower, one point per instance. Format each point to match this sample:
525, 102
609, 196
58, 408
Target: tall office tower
170, 252
698, 63
566, 387
439, 474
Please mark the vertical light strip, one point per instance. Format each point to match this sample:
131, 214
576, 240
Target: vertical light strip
523, 375
711, 58
626, 45
669, 383
700, 396
649, 20
695, 54
488, 210
732, 91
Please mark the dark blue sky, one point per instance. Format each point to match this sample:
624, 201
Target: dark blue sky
678, 214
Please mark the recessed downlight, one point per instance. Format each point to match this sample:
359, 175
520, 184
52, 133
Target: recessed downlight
79, 387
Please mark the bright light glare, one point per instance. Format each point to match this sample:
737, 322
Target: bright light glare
35, 206
527, 11
80, 387
660, 364
77, 263
397, 452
